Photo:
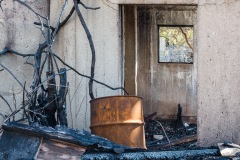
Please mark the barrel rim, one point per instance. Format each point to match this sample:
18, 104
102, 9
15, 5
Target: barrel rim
130, 122
114, 97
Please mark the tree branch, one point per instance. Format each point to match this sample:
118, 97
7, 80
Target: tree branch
26, 62
58, 24
86, 7
47, 79
1, 4
13, 113
6, 102
118, 88
91, 46
13, 76
186, 38
68, 17
46, 26
61, 24
24, 109
7, 50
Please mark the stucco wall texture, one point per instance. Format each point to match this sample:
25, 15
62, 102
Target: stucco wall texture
218, 58
18, 33
218, 71
73, 46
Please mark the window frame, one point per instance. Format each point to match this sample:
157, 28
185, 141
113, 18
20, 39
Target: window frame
158, 52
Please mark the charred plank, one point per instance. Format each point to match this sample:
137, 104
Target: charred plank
18, 146
61, 108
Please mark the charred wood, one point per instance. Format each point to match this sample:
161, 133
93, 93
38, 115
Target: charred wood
61, 110
83, 138
176, 142
179, 121
18, 146
52, 104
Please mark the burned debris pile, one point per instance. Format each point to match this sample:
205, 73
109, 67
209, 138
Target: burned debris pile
26, 140
170, 134
156, 138
83, 138
35, 139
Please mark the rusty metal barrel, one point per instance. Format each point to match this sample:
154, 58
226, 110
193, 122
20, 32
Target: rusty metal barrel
120, 119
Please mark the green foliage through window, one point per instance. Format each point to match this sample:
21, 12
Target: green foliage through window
176, 44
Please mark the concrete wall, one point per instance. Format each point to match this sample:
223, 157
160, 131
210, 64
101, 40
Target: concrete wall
18, 33
218, 71
72, 44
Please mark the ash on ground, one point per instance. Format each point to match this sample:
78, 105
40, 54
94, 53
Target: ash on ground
174, 132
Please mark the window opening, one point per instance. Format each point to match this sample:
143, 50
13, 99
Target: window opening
175, 44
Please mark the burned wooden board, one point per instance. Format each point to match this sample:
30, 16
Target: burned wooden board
81, 138
20, 141
176, 142
52, 150
18, 146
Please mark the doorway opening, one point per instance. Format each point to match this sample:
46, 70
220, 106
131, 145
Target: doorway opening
160, 66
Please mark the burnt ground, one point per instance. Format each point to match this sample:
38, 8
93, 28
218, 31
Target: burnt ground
174, 132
